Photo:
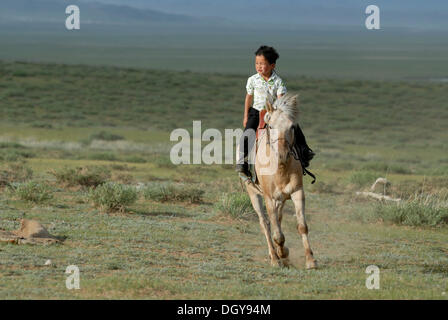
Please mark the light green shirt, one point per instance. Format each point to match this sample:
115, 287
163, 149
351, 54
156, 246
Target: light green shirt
258, 87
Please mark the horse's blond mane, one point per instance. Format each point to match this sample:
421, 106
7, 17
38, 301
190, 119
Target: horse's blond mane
288, 105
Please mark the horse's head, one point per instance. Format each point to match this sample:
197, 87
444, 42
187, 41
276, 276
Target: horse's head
280, 119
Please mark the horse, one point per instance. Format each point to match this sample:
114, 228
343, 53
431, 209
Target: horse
279, 178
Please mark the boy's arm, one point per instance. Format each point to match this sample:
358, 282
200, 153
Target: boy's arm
247, 105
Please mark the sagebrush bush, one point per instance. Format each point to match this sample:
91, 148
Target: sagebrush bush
105, 136
422, 210
12, 154
135, 159
103, 156
363, 178
121, 167
90, 176
408, 188
125, 178
386, 168
11, 145
323, 187
33, 191
172, 193
102, 135
235, 205
163, 162
14, 172
111, 196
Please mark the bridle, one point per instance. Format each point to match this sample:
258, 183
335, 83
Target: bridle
292, 150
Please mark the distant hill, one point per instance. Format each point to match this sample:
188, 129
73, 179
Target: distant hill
91, 12
395, 13
416, 14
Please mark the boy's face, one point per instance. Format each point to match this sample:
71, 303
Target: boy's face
263, 66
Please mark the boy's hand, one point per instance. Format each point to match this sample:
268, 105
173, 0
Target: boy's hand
244, 122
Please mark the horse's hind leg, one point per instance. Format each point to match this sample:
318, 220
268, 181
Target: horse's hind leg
257, 203
298, 198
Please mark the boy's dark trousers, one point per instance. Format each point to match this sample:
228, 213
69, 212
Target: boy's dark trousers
248, 138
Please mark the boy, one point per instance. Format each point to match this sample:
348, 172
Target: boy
265, 80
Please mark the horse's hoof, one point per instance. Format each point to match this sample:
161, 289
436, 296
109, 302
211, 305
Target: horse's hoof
280, 263
285, 253
311, 264
276, 263
285, 262
282, 252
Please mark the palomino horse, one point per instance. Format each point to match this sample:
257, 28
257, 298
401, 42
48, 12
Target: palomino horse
283, 183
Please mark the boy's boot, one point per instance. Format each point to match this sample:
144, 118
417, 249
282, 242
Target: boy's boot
243, 166
305, 152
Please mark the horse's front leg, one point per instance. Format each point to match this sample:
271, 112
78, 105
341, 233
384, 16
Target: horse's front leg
274, 208
298, 198
257, 203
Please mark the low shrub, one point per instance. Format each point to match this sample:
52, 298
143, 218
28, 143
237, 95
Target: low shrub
14, 154
135, 159
33, 191
386, 168
363, 178
322, 187
106, 136
43, 125
422, 210
408, 188
162, 162
90, 176
235, 205
121, 167
103, 156
173, 193
14, 172
11, 145
102, 135
124, 178
112, 197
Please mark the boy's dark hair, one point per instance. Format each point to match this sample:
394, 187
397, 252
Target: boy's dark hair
269, 53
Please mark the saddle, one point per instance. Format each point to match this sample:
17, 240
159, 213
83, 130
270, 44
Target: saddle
261, 123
